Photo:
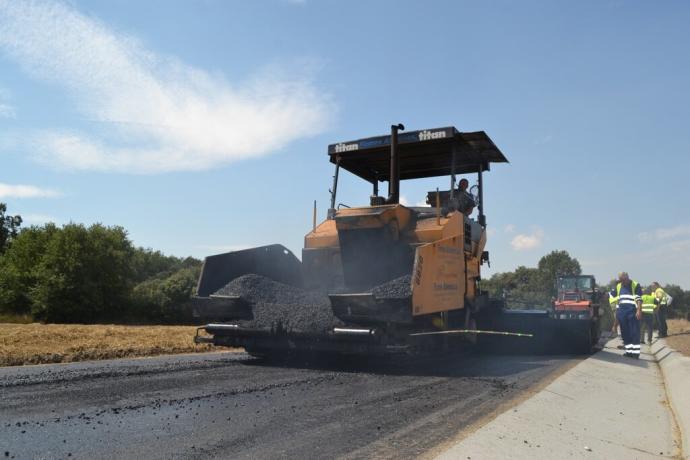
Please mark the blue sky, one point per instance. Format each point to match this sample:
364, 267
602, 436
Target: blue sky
202, 126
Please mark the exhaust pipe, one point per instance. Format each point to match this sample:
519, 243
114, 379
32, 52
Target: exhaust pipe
394, 177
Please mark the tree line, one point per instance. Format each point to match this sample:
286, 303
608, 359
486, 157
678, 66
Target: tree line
75, 273
536, 287
533, 287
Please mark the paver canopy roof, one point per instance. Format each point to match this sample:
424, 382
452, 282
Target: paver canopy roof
425, 153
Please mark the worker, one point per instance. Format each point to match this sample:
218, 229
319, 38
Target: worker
648, 307
466, 201
662, 310
613, 301
629, 313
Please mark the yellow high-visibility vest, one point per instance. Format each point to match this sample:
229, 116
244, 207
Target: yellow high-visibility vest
660, 295
648, 303
625, 298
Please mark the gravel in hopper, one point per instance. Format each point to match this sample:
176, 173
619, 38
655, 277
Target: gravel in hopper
399, 288
277, 305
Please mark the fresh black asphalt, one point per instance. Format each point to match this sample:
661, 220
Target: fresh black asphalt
229, 405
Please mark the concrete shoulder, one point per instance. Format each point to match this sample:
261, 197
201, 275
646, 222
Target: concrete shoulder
608, 406
676, 371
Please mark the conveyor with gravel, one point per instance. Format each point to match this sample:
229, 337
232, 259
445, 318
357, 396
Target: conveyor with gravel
274, 317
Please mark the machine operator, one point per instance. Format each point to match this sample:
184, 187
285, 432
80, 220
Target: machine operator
466, 201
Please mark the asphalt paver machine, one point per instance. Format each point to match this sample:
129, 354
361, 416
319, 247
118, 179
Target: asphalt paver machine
397, 277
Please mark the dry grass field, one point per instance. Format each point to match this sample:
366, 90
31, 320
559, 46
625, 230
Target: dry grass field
679, 335
59, 343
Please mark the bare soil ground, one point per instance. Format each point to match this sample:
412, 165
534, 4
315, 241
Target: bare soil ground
679, 335
59, 343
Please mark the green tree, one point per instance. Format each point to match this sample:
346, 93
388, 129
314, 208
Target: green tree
522, 288
79, 274
555, 264
147, 264
681, 298
19, 268
166, 298
532, 287
9, 227
84, 275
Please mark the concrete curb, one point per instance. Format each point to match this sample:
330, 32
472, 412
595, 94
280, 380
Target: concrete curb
676, 371
594, 410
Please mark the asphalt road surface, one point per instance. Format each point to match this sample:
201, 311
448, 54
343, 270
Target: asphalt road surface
228, 405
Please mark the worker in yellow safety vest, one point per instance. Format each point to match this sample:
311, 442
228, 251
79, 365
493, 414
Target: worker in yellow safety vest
662, 310
613, 301
647, 323
628, 295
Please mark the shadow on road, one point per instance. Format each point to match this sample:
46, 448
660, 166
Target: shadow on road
459, 365
613, 355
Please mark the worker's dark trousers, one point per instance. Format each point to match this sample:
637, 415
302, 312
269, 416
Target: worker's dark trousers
630, 329
661, 320
647, 324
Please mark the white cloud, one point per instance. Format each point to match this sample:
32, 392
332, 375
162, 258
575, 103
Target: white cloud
405, 202
26, 191
524, 242
157, 114
510, 228
665, 233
